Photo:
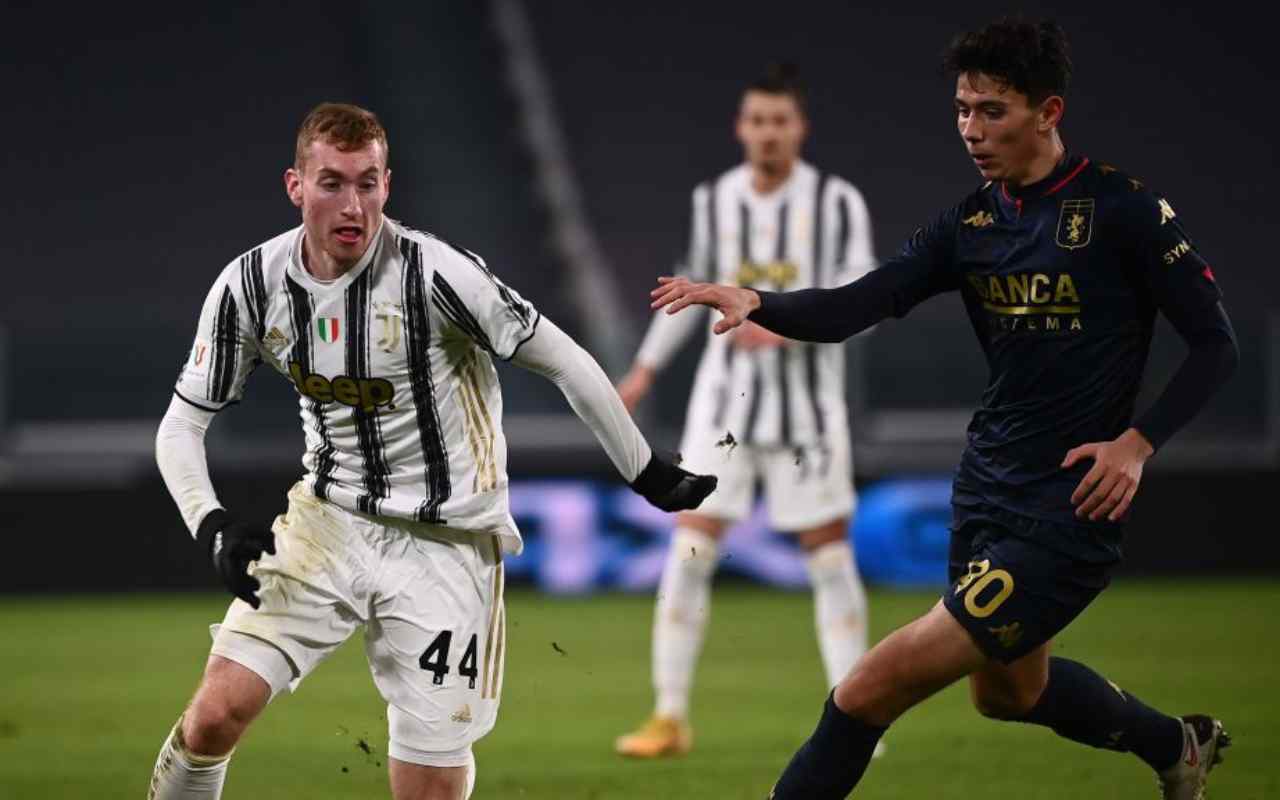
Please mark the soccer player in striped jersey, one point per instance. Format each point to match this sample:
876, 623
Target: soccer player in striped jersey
401, 521
762, 407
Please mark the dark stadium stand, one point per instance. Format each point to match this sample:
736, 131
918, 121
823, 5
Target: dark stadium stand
156, 147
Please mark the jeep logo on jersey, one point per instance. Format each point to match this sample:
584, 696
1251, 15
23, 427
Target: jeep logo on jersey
365, 393
779, 273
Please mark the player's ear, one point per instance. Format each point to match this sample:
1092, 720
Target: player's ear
293, 185
1050, 113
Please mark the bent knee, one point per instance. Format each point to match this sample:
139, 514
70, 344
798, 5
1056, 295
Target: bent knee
215, 721
210, 727
1005, 704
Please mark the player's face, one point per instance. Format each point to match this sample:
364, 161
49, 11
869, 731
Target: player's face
341, 194
1002, 131
771, 128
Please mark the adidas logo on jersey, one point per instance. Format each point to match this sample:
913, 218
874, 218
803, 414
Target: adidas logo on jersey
462, 715
365, 393
275, 341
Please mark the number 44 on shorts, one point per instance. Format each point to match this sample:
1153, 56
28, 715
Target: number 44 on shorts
435, 659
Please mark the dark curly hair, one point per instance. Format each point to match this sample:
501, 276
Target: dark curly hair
1031, 57
781, 78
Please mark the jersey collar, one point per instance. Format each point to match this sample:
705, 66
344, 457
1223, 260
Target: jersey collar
300, 274
1066, 171
784, 190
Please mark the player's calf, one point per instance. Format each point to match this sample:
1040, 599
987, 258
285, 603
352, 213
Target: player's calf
1081, 705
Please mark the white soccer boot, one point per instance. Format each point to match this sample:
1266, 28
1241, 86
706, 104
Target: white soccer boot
1203, 742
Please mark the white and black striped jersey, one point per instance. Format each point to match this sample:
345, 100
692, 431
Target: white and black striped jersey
393, 366
812, 232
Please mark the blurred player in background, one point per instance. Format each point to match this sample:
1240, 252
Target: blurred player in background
763, 407
1062, 264
400, 524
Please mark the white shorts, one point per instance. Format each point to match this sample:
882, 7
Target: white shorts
804, 486
430, 599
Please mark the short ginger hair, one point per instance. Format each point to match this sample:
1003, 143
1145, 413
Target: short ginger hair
346, 126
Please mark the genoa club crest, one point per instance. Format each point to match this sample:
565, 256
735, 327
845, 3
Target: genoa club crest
328, 328
1075, 223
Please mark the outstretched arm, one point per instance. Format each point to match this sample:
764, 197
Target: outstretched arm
810, 315
551, 353
920, 270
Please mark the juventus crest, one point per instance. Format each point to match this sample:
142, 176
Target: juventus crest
390, 319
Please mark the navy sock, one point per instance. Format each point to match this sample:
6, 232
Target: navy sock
1081, 705
831, 762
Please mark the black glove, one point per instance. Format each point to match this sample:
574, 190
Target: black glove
232, 545
670, 488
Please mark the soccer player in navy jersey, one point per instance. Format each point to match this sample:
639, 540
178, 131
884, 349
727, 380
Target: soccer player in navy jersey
1062, 262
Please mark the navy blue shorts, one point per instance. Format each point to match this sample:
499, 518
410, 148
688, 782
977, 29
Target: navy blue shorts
1010, 591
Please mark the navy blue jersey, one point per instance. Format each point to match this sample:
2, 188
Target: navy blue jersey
1061, 281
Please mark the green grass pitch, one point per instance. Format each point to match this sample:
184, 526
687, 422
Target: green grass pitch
90, 685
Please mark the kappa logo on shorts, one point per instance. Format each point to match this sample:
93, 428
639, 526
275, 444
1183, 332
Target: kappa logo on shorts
1008, 635
463, 714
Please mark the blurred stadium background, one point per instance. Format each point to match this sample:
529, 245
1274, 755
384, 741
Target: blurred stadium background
144, 149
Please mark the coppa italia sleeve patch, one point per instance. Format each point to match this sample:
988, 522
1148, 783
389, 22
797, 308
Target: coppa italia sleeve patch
198, 360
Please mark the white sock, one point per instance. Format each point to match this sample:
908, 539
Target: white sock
180, 774
839, 608
680, 618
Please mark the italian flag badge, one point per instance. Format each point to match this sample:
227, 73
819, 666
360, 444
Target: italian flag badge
327, 328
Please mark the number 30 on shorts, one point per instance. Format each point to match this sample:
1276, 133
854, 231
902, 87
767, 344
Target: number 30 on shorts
980, 576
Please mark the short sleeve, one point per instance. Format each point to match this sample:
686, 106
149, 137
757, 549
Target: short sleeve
478, 305
224, 352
